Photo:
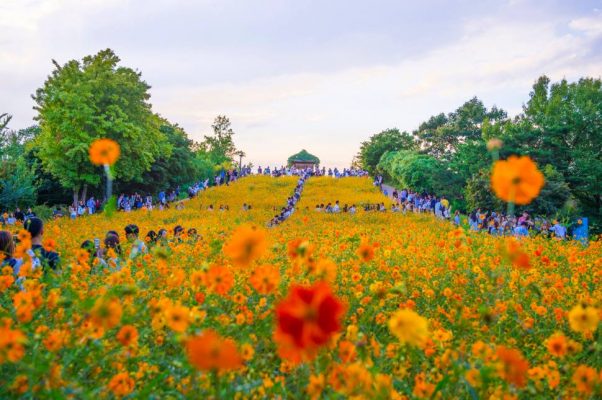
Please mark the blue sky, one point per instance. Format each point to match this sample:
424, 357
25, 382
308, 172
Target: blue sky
320, 75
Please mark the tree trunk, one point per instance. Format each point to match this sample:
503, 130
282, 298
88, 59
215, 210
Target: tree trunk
75, 196
85, 192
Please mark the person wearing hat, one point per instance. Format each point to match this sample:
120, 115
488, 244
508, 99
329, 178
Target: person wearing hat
48, 259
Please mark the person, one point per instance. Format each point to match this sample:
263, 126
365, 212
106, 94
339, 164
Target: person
138, 246
19, 215
457, 218
177, 233
336, 208
521, 229
7, 251
91, 205
151, 237
95, 254
559, 230
48, 258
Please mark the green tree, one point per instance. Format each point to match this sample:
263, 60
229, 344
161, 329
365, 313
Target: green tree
442, 135
220, 146
419, 172
18, 187
169, 170
562, 126
96, 98
388, 140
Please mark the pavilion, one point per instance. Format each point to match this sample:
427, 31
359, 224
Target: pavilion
303, 160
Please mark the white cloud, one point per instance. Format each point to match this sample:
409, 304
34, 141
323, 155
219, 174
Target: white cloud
330, 110
591, 26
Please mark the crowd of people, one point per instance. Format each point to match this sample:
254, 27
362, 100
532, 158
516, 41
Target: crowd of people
110, 254
41, 253
494, 223
290, 171
288, 210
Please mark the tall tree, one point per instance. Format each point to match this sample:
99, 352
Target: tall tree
220, 146
96, 98
388, 140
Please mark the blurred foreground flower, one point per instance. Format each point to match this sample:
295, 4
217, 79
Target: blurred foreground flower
306, 319
208, 351
516, 180
247, 244
104, 152
409, 327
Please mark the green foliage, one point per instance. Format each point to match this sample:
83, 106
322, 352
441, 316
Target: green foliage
220, 146
442, 135
419, 172
17, 187
96, 98
372, 150
176, 168
560, 128
43, 211
16, 177
478, 192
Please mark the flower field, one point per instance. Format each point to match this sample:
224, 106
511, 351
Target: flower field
369, 305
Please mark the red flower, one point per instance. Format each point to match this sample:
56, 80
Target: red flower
307, 319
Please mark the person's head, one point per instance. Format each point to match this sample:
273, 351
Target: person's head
151, 236
178, 230
7, 244
88, 245
162, 233
131, 232
35, 227
112, 242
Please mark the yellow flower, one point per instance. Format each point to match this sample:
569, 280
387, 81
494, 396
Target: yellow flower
583, 318
409, 327
516, 180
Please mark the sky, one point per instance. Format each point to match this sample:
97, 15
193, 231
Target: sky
295, 74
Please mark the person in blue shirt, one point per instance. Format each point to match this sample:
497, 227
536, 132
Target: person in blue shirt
521, 230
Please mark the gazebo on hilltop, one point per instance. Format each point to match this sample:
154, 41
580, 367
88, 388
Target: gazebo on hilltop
303, 160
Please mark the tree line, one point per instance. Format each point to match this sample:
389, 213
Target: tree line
96, 97
560, 127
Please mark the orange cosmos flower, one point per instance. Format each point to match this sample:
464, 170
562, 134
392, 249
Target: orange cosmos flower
514, 367
49, 244
104, 152
584, 379
307, 318
299, 248
177, 318
106, 313
208, 351
24, 236
121, 384
247, 244
365, 251
128, 336
54, 340
11, 344
265, 279
557, 345
219, 279
516, 180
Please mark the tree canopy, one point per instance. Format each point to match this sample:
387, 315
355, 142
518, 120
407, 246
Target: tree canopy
560, 128
96, 98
